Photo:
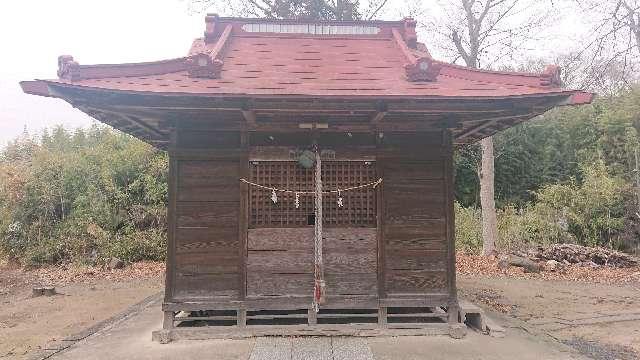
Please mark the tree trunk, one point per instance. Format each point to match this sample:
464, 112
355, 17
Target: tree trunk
487, 200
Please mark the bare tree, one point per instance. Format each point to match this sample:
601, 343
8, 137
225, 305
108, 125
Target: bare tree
609, 57
297, 9
483, 33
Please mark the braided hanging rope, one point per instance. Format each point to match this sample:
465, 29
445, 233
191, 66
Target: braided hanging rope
318, 269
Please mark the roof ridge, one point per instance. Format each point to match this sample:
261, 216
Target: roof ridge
69, 69
550, 77
304, 21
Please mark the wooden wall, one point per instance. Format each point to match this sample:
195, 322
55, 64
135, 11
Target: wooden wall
280, 262
409, 254
414, 221
206, 261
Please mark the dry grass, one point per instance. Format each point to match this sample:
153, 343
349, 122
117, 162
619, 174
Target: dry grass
474, 265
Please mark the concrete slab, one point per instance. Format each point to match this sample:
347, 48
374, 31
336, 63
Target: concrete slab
130, 338
350, 348
271, 348
475, 346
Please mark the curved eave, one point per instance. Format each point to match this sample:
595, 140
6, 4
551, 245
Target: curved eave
55, 88
36, 87
150, 115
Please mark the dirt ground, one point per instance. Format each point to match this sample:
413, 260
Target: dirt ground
596, 311
86, 297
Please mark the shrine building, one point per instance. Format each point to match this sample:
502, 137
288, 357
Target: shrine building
311, 170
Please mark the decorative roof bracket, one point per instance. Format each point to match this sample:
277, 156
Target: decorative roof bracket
206, 64
68, 68
210, 28
410, 37
422, 68
551, 76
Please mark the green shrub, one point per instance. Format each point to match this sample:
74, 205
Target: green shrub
593, 209
590, 212
468, 229
82, 197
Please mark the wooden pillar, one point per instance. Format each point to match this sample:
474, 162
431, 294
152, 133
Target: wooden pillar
242, 317
312, 316
167, 322
452, 306
243, 223
382, 316
171, 218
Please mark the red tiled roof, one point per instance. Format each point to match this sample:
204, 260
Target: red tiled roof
268, 63
271, 70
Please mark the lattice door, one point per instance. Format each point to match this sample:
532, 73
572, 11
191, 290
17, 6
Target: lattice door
359, 208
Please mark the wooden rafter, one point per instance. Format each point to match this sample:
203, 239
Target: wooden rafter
489, 123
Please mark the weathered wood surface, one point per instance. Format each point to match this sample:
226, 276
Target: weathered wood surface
271, 284
280, 261
201, 180
525, 263
208, 139
415, 220
419, 235
211, 259
364, 330
205, 214
206, 239
415, 281
207, 262
407, 259
204, 286
280, 239
290, 153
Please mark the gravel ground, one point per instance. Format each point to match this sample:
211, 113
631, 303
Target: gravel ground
596, 350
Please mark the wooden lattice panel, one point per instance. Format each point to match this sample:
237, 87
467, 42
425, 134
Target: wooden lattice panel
359, 208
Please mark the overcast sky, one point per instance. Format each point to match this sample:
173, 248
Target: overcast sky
35, 32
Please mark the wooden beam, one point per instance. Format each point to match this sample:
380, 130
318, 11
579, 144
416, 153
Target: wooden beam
250, 118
